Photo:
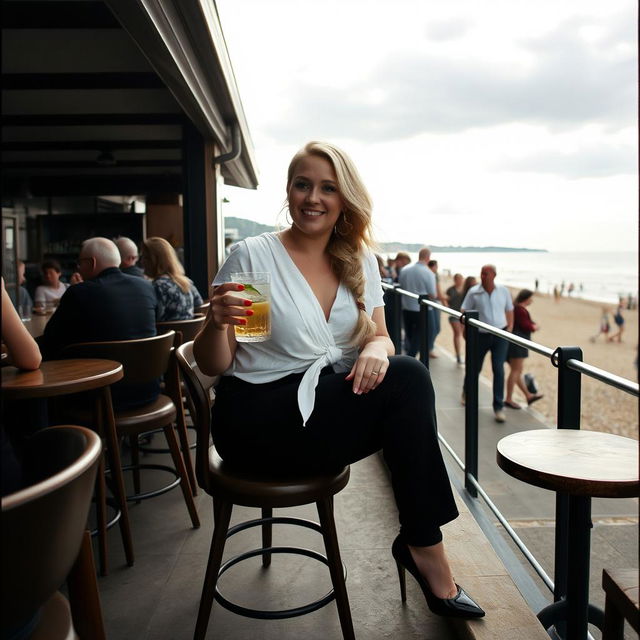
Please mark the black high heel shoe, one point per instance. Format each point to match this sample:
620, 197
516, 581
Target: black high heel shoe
460, 606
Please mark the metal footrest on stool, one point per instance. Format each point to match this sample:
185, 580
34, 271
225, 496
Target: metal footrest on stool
146, 449
110, 502
284, 613
156, 492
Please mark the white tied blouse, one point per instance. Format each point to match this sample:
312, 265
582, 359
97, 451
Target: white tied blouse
302, 340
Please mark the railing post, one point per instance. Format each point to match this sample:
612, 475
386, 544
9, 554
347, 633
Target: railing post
569, 401
471, 402
569, 387
397, 318
423, 327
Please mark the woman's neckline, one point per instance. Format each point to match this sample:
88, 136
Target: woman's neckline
327, 318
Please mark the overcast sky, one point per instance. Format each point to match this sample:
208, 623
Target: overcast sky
489, 122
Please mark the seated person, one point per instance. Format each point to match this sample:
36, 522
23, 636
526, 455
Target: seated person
22, 352
107, 305
128, 257
52, 288
24, 304
177, 295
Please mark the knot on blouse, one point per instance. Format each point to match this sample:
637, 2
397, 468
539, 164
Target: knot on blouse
307, 389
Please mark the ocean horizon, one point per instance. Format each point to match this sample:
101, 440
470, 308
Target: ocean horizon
598, 276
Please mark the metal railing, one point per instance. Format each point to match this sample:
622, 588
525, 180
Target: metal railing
567, 360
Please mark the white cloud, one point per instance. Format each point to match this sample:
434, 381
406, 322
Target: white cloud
497, 122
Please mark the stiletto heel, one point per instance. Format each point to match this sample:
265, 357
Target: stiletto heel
460, 606
403, 581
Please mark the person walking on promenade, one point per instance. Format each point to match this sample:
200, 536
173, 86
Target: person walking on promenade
417, 278
618, 318
441, 298
605, 326
329, 389
523, 326
469, 281
401, 260
455, 295
495, 307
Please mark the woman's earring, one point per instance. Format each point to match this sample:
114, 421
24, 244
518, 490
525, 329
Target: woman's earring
343, 226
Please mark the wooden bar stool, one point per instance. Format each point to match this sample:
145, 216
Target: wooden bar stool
144, 361
185, 331
229, 486
583, 465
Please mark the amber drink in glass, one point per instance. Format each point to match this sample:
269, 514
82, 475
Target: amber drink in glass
257, 288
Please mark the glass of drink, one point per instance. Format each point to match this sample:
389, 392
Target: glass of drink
257, 288
25, 312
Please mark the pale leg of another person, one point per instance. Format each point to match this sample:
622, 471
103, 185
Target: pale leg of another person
515, 377
456, 327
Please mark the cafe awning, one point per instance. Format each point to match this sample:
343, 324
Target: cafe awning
96, 97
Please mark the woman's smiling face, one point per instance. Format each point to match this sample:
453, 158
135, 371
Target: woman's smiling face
314, 201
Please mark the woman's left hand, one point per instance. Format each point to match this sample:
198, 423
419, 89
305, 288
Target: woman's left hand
369, 369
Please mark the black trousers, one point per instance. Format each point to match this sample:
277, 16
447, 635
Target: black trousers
259, 426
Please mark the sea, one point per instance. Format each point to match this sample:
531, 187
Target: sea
600, 276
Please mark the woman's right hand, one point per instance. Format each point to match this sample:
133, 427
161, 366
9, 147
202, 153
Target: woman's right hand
226, 308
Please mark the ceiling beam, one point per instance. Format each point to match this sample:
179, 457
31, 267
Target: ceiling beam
38, 81
91, 185
87, 164
82, 145
57, 15
90, 119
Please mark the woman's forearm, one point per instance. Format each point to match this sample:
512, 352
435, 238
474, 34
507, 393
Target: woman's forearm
214, 349
384, 342
22, 349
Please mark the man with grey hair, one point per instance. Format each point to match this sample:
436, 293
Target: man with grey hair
107, 305
417, 278
494, 306
128, 257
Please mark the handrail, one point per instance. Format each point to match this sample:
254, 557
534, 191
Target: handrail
619, 382
570, 370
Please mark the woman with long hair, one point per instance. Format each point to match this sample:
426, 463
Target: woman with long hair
328, 388
523, 326
176, 294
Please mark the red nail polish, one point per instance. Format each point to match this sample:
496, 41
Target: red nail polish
243, 321
240, 287
249, 312
247, 303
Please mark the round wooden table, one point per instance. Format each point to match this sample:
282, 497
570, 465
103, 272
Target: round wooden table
59, 377
64, 377
583, 465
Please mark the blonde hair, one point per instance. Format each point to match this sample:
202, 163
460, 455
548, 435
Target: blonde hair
159, 259
352, 234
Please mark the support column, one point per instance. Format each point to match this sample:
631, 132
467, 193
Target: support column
203, 223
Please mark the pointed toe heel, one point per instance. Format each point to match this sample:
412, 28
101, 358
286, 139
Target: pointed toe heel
460, 606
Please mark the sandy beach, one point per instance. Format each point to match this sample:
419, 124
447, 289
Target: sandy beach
571, 322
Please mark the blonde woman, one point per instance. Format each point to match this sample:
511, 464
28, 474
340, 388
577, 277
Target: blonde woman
176, 294
329, 389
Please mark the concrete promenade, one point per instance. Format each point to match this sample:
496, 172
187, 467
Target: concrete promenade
529, 510
158, 598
